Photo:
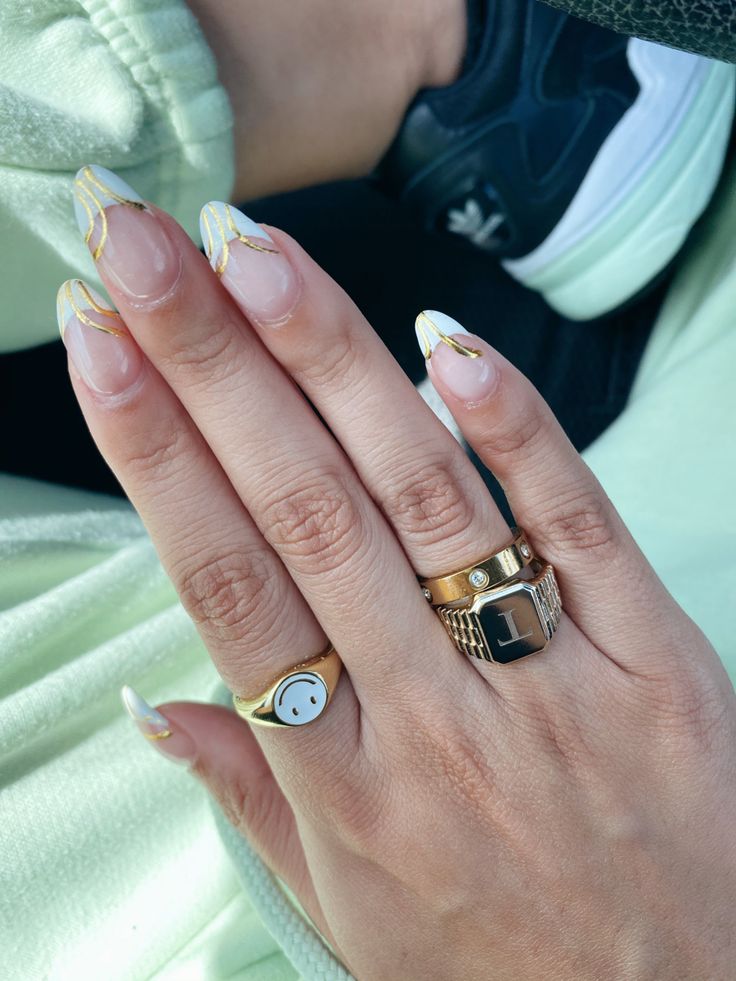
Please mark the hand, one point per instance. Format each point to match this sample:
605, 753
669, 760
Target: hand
567, 816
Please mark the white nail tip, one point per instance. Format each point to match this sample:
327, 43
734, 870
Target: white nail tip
139, 709
83, 220
220, 223
427, 337
106, 185
76, 298
95, 189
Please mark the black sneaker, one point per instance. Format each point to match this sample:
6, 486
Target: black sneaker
579, 157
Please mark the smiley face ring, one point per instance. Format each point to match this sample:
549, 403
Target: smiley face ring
297, 697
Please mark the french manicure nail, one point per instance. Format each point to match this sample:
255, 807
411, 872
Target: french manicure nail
104, 354
457, 359
260, 279
173, 742
126, 239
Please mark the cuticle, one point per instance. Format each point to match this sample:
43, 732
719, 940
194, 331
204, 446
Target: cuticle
283, 320
480, 403
112, 403
484, 401
137, 303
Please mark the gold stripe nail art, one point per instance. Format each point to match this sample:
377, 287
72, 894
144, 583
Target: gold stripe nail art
80, 190
221, 224
162, 734
95, 189
76, 299
149, 720
429, 334
131, 198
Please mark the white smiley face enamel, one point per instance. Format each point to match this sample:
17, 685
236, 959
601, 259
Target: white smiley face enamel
300, 698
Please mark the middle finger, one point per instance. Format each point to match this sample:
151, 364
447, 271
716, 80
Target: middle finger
413, 467
423, 481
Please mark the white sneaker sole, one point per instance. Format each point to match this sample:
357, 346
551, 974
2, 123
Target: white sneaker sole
651, 180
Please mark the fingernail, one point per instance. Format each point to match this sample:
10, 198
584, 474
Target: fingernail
126, 239
172, 742
457, 360
104, 354
259, 278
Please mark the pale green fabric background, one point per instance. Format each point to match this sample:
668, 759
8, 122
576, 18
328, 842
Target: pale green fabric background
129, 84
111, 865
669, 460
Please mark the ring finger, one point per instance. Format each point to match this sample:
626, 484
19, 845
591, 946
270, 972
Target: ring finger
240, 596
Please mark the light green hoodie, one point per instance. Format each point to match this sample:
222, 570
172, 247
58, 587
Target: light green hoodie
129, 84
111, 865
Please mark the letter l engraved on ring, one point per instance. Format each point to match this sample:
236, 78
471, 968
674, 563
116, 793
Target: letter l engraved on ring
508, 616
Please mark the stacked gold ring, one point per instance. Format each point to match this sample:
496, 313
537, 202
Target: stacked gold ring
500, 609
492, 571
494, 609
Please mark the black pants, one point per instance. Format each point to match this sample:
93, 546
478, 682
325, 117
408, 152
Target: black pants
392, 270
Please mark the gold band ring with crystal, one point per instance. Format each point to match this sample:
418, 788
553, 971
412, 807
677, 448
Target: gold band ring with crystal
485, 574
509, 622
297, 697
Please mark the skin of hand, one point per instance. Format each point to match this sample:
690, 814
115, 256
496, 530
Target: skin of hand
318, 89
568, 816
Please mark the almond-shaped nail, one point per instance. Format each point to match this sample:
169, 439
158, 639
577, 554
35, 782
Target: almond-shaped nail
458, 361
171, 741
104, 354
127, 240
260, 279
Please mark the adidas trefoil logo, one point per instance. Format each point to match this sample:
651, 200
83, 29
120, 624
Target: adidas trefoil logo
471, 222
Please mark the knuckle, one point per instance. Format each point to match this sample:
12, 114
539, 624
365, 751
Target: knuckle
360, 819
229, 595
582, 520
687, 705
362, 815
466, 769
562, 732
431, 504
319, 522
518, 436
334, 362
213, 353
350, 795
160, 458
250, 806
464, 766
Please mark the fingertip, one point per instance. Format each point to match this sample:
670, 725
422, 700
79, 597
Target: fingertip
100, 348
172, 740
261, 279
464, 368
